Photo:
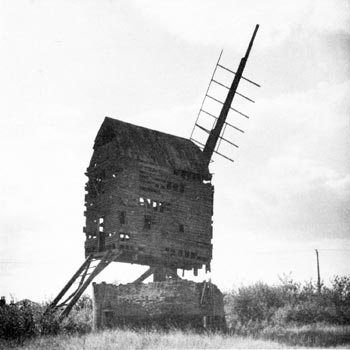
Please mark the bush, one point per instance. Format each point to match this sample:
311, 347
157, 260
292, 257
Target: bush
26, 319
256, 303
339, 294
259, 305
17, 321
80, 318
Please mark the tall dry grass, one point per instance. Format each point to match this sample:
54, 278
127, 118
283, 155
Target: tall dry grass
315, 335
141, 339
258, 316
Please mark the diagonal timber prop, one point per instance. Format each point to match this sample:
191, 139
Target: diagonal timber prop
85, 277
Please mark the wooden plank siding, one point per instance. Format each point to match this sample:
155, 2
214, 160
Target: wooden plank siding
156, 208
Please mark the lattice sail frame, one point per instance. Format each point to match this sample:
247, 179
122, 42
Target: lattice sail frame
198, 181
217, 131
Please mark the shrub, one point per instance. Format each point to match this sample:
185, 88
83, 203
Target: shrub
255, 303
80, 318
340, 297
17, 321
288, 303
26, 319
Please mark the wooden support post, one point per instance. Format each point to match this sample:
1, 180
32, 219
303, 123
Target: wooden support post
159, 274
105, 261
145, 275
203, 291
173, 274
318, 273
85, 266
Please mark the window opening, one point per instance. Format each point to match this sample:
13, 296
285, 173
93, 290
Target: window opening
147, 222
101, 224
181, 228
102, 235
124, 237
153, 204
122, 217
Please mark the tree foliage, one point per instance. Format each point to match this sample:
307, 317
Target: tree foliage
26, 319
289, 302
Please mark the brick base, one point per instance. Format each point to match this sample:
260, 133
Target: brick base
172, 303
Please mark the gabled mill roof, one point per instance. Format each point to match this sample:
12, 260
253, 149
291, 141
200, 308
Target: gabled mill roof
153, 146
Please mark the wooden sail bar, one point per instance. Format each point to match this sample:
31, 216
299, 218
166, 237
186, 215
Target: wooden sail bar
232, 126
233, 109
215, 133
206, 93
244, 78
222, 138
237, 93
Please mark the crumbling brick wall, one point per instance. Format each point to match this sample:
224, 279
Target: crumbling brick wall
172, 303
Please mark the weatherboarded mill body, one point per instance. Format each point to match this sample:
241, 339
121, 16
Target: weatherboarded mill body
149, 197
149, 201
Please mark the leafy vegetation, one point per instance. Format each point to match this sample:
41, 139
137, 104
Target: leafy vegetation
292, 312
125, 339
25, 320
289, 303
265, 316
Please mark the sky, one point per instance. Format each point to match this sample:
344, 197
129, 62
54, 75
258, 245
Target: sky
65, 65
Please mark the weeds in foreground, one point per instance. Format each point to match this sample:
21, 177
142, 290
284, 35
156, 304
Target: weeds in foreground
316, 335
269, 338
146, 339
289, 313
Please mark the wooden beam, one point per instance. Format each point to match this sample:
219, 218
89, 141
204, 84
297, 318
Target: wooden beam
145, 275
215, 133
83, 267
105, 261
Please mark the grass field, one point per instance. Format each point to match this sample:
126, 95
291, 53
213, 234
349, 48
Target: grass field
129, 339
316, 335
289, 315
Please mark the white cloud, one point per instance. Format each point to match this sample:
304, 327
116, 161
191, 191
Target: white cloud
328, 15
226, 22
58, 82
291, 178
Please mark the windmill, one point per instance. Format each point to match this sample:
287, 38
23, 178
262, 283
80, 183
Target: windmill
149, 198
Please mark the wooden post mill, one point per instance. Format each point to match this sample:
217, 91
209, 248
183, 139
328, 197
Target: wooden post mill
149, 201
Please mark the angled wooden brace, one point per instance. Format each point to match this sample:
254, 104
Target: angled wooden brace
105, 261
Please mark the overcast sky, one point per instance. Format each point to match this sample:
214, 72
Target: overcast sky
65, 65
